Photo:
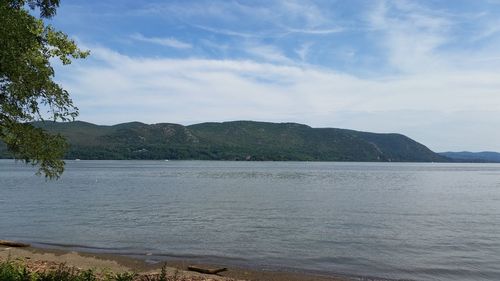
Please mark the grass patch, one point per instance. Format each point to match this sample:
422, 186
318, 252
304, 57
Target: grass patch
19, 271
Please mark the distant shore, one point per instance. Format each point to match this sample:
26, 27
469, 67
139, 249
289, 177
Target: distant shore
44, 258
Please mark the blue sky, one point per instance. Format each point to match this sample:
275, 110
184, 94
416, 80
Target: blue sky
427, 69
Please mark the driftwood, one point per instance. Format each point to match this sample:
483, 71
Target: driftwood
206, 270
13, 243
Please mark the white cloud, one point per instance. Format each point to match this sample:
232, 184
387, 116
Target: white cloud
167, 42
115, 88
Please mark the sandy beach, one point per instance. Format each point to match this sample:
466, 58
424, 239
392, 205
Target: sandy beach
42, 259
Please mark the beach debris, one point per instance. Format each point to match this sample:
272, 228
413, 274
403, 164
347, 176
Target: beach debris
206, 270
9, 243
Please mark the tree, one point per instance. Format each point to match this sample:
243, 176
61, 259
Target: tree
27, 90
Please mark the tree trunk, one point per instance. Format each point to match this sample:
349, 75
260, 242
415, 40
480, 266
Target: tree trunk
13, 243
206, 270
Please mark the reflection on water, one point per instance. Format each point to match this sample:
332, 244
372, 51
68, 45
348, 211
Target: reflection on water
412, 221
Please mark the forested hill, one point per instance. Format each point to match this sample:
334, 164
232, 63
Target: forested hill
238, 140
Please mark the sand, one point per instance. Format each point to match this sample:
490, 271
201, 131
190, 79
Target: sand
51, 258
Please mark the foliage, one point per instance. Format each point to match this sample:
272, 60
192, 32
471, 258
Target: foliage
18, 271
241, 140
126, 276
10, 271
27, 90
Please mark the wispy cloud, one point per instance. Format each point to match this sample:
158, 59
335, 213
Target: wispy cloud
305, 12
227, 31
411, 34
276, 19
268, 53
167, 42
316, 31
491, 28
303, 51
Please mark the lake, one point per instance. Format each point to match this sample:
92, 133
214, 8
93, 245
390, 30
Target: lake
385, 220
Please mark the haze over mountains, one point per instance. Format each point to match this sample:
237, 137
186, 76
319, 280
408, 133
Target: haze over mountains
466, 156
237, 140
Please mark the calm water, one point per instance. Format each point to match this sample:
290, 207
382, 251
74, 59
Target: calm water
408, 221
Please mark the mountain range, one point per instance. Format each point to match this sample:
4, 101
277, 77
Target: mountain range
466, 156
237, 140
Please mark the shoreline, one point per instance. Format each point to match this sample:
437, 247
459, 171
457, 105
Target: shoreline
121, 263
258, 161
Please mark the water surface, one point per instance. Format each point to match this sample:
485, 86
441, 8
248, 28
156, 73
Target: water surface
386, 220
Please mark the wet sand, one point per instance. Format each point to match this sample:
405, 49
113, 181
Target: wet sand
120, 264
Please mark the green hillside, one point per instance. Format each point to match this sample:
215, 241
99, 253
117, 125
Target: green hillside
238, 140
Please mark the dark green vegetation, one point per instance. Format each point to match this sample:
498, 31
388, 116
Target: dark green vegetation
465, 156
18, 271
239, 140
27, 90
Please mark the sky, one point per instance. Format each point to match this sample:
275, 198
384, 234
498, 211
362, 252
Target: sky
426, 69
